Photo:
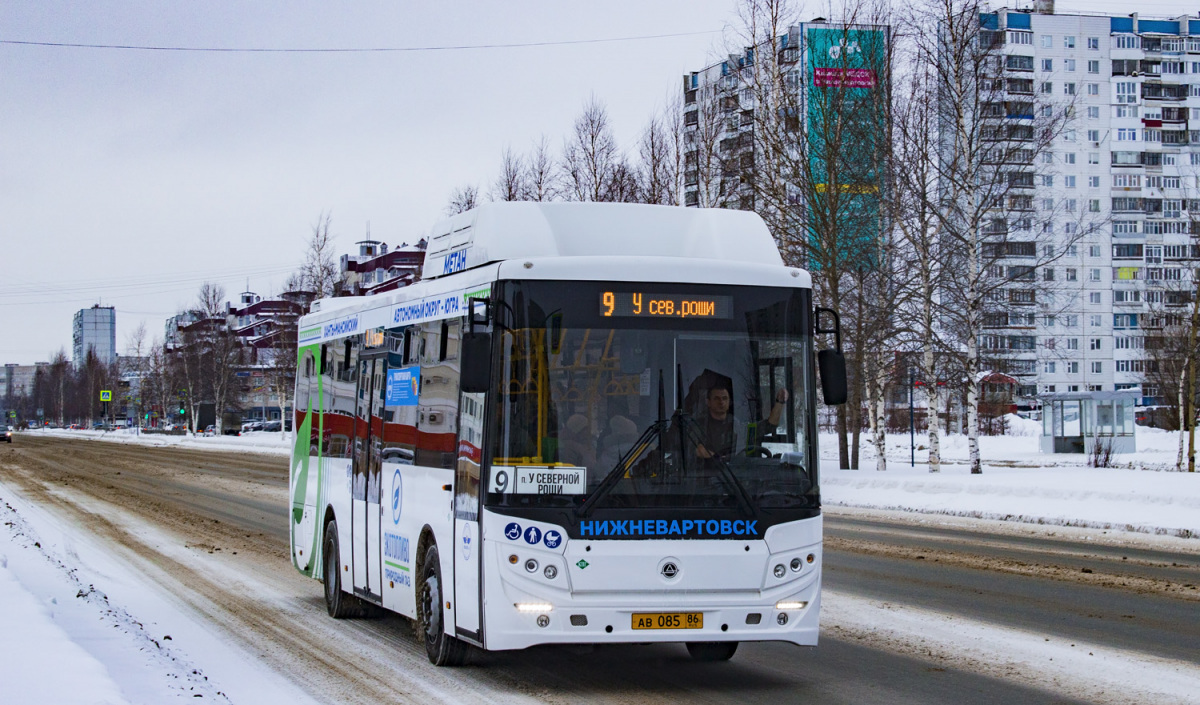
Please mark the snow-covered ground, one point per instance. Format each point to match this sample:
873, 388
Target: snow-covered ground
1140, 493
55, 587
268, 442
77, 627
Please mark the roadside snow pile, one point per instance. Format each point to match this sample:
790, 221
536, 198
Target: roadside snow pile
267, 442
1156, 449
63, 641
1020, 426
31, 667
1107, 498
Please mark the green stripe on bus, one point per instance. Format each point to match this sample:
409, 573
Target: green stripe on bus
396, 565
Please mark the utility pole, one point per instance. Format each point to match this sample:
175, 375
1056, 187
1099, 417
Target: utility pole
912, 426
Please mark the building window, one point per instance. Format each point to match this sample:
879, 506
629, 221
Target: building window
1047, 180
1071, 321
1069, 181
1097, 367
1097, 320
1094, 343
1093, 250
1093, 157
1068, 89
1093, 112
1093, 89
1093, 136
1094, 182
1069, 64
1048, 368
1072, 368
1068, 42
1047, 41
1047, 87
1069, 157
1047, 65
1094, 43
1072, 274
1093, 66
1094, 275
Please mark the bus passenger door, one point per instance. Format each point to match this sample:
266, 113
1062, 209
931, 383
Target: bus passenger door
365, 512
473, 355
467, 529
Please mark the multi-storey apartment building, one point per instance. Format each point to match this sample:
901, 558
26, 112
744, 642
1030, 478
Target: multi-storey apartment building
816, 64
95, 329
1112, 200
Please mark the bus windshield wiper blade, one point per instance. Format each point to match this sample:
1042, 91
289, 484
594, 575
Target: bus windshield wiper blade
615, 475
689, 426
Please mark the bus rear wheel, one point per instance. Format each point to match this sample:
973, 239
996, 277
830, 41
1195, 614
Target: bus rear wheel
712, 650
340, 604
442, 649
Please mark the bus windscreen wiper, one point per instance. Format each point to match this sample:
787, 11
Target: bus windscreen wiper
614, 476
689, 426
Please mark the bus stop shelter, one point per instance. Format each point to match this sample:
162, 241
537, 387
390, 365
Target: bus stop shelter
1073, 422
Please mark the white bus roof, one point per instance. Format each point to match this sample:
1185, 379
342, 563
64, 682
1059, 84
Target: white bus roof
565, 241
510, 230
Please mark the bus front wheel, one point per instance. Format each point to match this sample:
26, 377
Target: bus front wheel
339, 603
442, 649
712, 650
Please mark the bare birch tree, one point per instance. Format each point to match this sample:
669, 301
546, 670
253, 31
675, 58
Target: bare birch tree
463, 199
991, 127
592, 166
510, 184
540, 173
319, 272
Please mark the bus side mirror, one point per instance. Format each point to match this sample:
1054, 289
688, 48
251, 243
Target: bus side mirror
476, 359
832, 365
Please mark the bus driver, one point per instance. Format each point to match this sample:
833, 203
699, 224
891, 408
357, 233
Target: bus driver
717, 425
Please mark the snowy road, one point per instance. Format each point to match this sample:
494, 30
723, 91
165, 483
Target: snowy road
209, 529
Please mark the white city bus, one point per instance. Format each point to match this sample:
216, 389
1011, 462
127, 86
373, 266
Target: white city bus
587, 423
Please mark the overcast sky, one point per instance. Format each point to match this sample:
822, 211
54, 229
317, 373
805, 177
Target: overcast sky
129, 177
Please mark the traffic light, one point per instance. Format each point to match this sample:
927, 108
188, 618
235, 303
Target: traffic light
182, 411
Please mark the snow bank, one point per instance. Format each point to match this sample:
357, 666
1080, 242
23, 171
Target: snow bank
32, 667
267, 442
1020, 483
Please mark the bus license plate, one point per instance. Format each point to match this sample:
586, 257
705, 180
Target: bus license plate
668, 620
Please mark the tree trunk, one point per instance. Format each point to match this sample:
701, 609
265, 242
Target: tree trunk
972, 410
929, 372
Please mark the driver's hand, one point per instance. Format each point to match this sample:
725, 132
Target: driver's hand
781, 396
702, 452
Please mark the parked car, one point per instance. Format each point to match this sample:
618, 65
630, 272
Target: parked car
272, 426
210, 430
8, 433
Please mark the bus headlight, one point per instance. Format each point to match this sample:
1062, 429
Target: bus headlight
551, 572
533, 606
796, 564
790, 605
780, 571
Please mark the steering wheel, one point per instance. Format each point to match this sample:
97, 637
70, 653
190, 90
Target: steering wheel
759, 452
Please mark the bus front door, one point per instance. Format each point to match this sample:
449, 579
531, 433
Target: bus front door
365, 510
468, 533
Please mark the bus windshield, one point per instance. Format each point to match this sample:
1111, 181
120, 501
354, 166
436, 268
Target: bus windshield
635, 396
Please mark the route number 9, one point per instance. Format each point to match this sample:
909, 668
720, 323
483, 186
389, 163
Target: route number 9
500, 481
610, 302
